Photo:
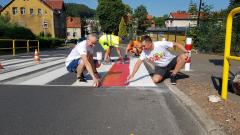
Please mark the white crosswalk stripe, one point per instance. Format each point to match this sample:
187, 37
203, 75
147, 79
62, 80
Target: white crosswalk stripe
28, 69
142, 77
20, 63
45, 78
52, 71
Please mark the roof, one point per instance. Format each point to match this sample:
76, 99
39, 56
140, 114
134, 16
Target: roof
149, 17
73, 22
55, 4
39, 0
180, 15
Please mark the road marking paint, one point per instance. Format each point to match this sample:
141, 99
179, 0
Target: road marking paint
45, 78
116, 76
101, 70
142, 77
15, 73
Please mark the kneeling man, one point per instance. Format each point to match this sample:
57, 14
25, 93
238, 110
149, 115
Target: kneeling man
164, 60
81, 58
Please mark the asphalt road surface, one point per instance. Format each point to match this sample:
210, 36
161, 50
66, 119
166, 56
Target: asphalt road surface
44, 99
60, 110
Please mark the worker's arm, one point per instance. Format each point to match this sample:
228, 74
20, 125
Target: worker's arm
89, 67
180, 46
135, 69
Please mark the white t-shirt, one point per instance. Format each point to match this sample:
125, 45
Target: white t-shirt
160, 55
80, 49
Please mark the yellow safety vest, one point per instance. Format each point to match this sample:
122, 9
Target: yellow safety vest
109, 40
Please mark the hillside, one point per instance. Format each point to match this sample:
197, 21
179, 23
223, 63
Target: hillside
76, 10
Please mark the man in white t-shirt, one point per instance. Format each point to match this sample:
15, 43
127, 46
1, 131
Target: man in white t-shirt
164, 60
81, 58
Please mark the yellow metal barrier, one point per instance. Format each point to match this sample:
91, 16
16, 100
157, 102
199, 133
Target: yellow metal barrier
227, 56
14, 45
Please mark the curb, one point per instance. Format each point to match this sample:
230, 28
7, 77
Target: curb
205, 121
208, 124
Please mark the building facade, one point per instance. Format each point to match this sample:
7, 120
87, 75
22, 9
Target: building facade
41, 17
181, 19
73, 28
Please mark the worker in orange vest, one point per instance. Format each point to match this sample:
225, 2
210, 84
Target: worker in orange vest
134, 48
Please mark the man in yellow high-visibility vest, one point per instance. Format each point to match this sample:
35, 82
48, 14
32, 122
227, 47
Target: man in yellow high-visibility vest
108, 41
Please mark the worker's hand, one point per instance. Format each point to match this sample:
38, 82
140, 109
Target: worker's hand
187, 55
96, 82
97, 75
129, 78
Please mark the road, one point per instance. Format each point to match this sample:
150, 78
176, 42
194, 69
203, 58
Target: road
44, 99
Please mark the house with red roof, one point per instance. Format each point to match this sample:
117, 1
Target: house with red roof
73, 27
181, 19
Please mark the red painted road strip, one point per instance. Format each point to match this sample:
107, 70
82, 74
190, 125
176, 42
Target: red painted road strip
117, 75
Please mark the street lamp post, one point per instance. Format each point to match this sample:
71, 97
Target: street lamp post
200, 6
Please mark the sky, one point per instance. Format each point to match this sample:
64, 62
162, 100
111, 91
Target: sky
154, 7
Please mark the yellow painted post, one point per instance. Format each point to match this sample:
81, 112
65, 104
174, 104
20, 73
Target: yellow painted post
28, 46
227, 52
38, 47
13, 47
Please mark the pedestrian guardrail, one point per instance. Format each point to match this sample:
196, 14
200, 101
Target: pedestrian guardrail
13, 47
227, 55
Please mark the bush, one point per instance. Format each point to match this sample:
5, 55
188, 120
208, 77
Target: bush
19, 33
46, 42
209, 37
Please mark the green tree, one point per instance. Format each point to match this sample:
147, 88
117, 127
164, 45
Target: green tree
127, 9
236, 26
140, 16
79, 10
122, 28
210, 35
234, 3
160, 21
192, 9
109, 13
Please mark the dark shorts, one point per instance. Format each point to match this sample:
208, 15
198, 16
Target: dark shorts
164, 71
72, 67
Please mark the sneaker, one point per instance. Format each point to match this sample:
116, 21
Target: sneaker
173, 79
82, 78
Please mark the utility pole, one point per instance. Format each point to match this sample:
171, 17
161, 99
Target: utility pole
199, 10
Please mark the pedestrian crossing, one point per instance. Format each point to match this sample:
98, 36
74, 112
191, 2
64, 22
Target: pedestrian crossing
51, 71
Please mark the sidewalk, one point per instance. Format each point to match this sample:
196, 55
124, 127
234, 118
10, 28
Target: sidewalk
205, 80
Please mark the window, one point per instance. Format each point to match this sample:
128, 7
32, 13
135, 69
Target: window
22, 10
14, 10
31, 11
39, 11
45, 24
